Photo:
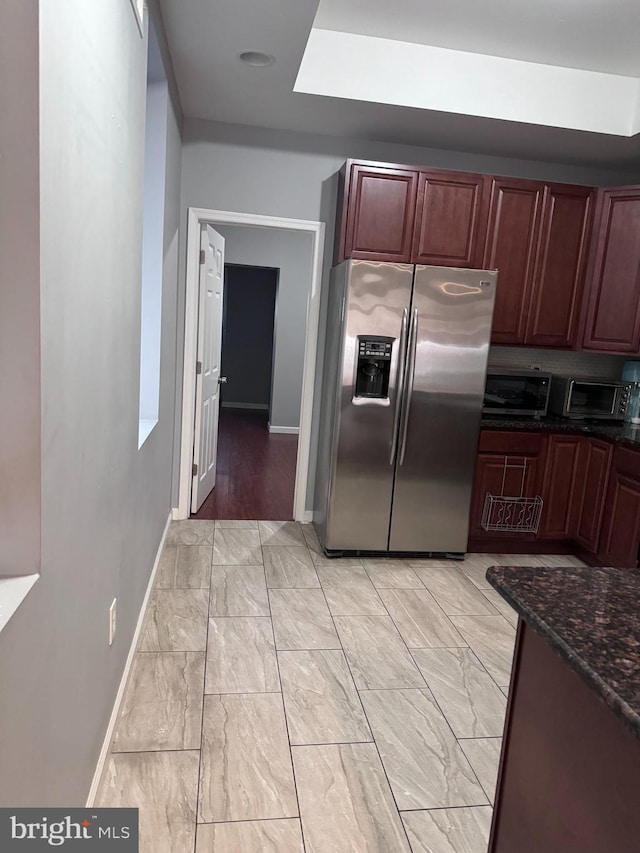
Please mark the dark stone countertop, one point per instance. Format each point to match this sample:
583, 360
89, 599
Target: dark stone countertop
591, 616
625, 434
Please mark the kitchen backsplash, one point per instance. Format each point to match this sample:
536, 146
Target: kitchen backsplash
559, 361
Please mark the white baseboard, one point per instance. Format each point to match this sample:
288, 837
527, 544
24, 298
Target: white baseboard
262, 407
108, 738
308, 516
175, 514
284, 430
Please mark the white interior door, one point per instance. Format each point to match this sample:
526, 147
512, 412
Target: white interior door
208, 379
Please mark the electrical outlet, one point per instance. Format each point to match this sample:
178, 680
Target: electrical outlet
112, 621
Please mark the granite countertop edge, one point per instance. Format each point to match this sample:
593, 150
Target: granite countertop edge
617, 433
591, 678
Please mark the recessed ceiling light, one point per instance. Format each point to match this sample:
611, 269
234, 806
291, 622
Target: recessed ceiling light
256, 58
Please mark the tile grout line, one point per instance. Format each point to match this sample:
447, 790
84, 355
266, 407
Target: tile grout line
490, 675
284, 713
204, 685
454, 648
457, 739
486, 793
445, 616
481, 737
375, 743
455, 736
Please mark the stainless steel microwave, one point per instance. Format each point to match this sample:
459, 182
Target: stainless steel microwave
584, 398
516, 392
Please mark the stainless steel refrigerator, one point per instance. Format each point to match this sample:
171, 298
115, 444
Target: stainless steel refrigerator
405, 365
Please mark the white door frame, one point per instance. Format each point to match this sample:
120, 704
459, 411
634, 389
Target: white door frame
196, 218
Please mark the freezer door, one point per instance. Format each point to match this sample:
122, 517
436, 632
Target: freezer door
451, 315
376, 302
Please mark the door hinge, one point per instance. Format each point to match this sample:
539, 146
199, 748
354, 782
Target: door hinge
201, 256
194, 469
198, 368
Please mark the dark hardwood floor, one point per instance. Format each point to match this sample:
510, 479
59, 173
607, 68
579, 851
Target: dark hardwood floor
256, 470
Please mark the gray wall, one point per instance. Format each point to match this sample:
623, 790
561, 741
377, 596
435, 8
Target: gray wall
154, 190
104, 503
277, 173
19, 290
247, 335
289, 252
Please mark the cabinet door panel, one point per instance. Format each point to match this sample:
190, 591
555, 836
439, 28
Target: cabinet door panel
450, 219
621, 529
514, 217
511, 443
596, 462
563, 482
489, 478
381, 213
560, 266
612, 321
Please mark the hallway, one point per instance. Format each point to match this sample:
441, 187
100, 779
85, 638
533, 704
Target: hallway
256, 470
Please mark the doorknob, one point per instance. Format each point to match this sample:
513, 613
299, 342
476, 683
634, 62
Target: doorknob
222, 380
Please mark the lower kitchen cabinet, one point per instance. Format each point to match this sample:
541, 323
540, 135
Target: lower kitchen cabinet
563, 487
490, 477
589, 486
620, 538
595, 461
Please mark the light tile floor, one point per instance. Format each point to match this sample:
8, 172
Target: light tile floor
280, 701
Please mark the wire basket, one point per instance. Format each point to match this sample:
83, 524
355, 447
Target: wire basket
512, 514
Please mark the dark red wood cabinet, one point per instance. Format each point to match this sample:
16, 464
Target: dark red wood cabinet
451, 219
568, 257
562, 488
494, 448
512, 234
589, 487
378, 213
620, 537
595, 461
560, 269
405, 215
569, 764
538, 238
612, 315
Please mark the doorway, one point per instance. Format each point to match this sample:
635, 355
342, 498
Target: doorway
248, 325
255, 472
304, 363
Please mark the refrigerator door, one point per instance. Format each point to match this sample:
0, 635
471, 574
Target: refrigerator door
451, 315
361, 469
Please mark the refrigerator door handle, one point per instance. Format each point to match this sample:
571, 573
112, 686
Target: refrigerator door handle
399, 381
408, 391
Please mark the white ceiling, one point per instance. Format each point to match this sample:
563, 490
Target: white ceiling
205, 37
595, 35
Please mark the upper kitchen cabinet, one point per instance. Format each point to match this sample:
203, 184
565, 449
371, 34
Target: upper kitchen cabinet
515, 213
538, 239
612, 315
404, 215
376, 212
451, 219
560, 268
